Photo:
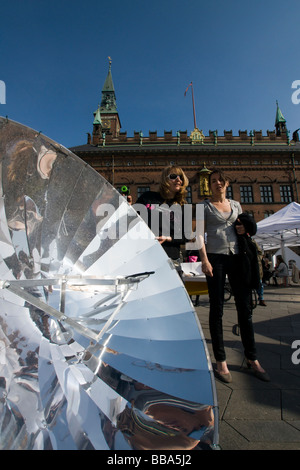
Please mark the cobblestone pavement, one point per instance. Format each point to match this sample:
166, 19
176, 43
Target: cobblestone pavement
256, 415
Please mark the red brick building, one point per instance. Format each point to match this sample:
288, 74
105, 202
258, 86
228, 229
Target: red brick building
264, 170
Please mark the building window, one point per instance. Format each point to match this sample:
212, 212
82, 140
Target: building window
141, 190
250, 213
268, 213
229, 192
246, 194
266, 193
286, 193
189, 194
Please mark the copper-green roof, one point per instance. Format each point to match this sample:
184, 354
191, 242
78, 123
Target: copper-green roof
108, 84
97, 119
279, 116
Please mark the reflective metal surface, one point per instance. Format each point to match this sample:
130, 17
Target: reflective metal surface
100, 346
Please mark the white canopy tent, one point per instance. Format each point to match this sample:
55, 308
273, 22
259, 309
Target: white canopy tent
280, 229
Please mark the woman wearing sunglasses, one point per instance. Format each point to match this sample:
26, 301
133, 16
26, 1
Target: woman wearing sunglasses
224, 223
172, 192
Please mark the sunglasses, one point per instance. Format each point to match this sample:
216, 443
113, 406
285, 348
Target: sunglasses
173, 176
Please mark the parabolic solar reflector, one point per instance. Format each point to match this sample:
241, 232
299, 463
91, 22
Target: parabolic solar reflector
100, 346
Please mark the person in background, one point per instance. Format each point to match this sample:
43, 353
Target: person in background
281, 270
267, 273
260, 290
295, 272
220, 257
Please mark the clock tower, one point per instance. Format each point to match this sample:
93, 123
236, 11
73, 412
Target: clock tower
107, 115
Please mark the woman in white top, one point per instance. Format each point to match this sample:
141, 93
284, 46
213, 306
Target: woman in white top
220, 258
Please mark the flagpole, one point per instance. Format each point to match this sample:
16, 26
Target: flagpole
191, 85
194, 106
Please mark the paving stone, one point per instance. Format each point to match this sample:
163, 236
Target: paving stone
291, 404
230, 439
266, 431
254, 404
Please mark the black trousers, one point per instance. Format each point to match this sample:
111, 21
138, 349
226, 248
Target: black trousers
230, 265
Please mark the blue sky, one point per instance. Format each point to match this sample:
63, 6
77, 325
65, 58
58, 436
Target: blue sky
241, 57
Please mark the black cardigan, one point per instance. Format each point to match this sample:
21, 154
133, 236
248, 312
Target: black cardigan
153, 200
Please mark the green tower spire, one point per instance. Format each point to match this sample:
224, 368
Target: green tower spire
108, 102
280, 122
279, 116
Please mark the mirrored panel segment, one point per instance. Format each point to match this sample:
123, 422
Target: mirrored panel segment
100, 345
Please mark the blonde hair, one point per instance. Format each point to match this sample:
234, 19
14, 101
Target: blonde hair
164, 188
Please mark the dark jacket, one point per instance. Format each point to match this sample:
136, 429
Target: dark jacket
248, 259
